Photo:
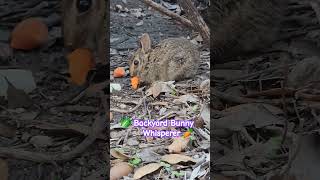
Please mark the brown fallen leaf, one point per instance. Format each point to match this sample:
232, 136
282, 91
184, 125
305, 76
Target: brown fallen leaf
157, 88
178, 145
177, 158
198, 122
120, 170
119, 155
115, 161
17, 98
41, 141
4, 170
147, 169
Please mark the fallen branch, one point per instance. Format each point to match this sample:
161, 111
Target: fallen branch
131, 110
316, 7
98, 126
241, 100
196, 19
166, 12
273, 92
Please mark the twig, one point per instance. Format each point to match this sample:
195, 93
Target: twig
131, 110
254, 74
273, 92
196, 19
241, 100
297, 149
283, 101
247, 135
167, 115
202, 133
98, 126
315, 6
164, 11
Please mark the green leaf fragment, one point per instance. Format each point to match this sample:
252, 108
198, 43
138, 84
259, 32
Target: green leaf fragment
135, 161
177, 174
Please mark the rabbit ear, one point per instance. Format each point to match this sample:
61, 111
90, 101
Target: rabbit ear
145, 42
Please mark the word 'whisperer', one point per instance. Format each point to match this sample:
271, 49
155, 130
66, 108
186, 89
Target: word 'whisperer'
163, 123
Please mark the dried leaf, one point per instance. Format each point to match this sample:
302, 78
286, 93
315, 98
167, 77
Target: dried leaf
187, 98
118, 154
205, 85
147, 169
148, 155
17, 98
80, 63
177, 158
119, 170
41, 141
19, 78
305, 72
133, 142
4, 170
178, 145
205, 114
115, 87
258, 154
260, 115
157, 88
29, 34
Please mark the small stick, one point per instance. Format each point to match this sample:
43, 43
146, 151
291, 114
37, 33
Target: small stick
164, 11
97, 127
196, 19
129, 111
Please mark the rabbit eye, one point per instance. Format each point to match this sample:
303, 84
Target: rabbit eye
135, 62
83, 5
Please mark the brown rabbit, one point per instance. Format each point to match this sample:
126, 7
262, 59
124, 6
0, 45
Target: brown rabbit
172, 59
84, 26
243, 26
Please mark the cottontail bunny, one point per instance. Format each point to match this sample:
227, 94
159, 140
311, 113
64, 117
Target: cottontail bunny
84, 26
243, 26
171, 59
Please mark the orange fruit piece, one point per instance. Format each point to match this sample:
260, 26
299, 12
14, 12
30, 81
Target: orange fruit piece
29, 34
186, 134
80, 63
119, 72
135, 82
